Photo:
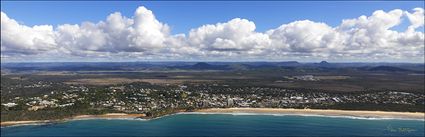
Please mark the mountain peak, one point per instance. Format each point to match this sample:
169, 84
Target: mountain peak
324, 62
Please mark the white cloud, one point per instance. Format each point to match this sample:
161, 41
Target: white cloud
235, 35
142, 33
371, 32
305, 37
416, 18
366, 37
142, 36
372, 36
147, 31
20, 39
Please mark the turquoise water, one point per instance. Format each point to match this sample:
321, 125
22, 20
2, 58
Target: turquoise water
225, 125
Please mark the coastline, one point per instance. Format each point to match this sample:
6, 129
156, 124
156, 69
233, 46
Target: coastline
107, 116
318, 112
272, 111
78, 117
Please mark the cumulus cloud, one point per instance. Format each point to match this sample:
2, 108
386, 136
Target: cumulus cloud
20, 39
372, 36
371, 32
142, 33
416, 18
143, 37
235, 35
305, 37
368, 37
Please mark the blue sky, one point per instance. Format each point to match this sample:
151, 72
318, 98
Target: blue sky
182, 16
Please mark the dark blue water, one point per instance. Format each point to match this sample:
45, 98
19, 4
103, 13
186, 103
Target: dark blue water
225, 125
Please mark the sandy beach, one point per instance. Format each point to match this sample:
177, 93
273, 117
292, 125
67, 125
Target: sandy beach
79, 117
366, 114
29, 122
107, 116
323, 112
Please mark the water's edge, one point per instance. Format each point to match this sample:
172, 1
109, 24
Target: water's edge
45, 122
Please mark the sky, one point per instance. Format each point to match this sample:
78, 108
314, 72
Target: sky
212, 31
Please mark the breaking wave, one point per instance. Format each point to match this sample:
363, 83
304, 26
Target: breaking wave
305, 115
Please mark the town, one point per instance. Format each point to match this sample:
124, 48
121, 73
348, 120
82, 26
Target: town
156, 100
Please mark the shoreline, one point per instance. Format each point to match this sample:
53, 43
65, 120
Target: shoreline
317, 112
249, 111
78, 117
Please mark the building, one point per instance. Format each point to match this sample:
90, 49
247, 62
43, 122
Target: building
10, 104
230, 102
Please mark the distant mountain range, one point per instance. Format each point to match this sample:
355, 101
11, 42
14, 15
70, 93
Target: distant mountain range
203, 66
223, 66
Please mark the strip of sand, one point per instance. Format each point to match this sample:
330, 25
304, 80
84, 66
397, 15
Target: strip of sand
79, 117
324, 112
107, 116
28, 122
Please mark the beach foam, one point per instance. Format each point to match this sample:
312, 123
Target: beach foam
29, 124
306, 115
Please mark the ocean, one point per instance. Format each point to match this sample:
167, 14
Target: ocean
225, 125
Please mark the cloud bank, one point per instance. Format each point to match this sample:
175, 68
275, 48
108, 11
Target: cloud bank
143, 37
